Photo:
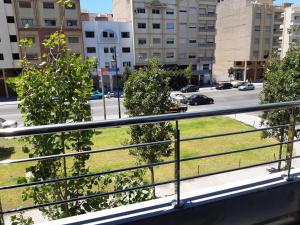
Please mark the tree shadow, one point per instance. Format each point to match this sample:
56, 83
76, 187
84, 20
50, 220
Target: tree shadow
6, 152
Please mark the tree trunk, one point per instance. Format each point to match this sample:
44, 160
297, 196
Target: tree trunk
152, 179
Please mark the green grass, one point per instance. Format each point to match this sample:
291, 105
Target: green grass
112, 137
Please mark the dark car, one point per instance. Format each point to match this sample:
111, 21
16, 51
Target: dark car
190, 88
224, 86
200, 100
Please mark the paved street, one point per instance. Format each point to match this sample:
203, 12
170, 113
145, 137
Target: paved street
223, 98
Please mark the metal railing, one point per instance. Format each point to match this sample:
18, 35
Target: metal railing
177, 140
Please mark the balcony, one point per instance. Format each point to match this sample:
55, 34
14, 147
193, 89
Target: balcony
206, 45
208, 16
206, 59
264, 197
207, 30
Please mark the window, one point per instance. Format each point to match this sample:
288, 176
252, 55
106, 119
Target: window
50, 23
155, 11
91, 50
142, 25
112, 50
142, 56
71, 6
126, 64
27, 22
7, 1
140, 10
48, 5
257, 28
170, 55
105, 34
170, 41
156, 26
106, 50
192, 41
111, 35
142, 41
156, 40
182, 11
297, 18
90, 34
258, 16
24, 4
13, 38
10, 19
125, 50
72, 23
125, 34
32, 56
192, 56
15, 56
193, 26
1, 56
170, 12
73, 39
205, 67
157, 55
170, 26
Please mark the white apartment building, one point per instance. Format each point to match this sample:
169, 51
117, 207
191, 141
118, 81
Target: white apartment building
9, 47
101, 39
176, 32
291, 20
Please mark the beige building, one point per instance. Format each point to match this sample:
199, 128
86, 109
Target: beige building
248, 32
44, 18
290, 27
177, 32
9, 47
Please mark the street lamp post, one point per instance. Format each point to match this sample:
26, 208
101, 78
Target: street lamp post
103, 91
115, 65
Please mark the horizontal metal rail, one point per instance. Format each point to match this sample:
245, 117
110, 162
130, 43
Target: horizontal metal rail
48, 129
125, 147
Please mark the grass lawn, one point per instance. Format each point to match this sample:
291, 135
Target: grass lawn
113, 137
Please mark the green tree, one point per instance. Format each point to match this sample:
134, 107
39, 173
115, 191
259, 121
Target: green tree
189, 73
147, 92
126, 74
56, 91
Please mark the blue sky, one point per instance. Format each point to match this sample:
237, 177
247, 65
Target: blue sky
103, 6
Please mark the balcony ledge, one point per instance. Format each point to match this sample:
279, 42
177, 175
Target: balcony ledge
255, 199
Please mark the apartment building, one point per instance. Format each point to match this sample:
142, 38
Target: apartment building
290, 27
9, 50
176, 32
44, 17
248, 31
102, 41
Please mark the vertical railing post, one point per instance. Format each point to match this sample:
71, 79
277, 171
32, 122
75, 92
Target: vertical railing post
290, 145
177, 166
1, 214
280, 148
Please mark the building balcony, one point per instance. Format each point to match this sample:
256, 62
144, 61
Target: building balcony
206, 59
208, 16
265, 192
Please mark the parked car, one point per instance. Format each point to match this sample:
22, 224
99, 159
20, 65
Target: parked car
181, 98
96, 95
178, 107
246, 87
238, 84
8, 123
224, 86
190, 88
200, 100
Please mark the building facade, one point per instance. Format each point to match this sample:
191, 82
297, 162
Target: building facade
290, 27
248, 32
38, 19
102, 41
176, 32
9, 47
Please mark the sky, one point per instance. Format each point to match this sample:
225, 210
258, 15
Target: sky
105, 6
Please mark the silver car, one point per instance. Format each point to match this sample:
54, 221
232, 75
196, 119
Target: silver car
246, 87
8, 123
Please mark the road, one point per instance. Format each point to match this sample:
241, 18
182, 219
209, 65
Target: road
223, 98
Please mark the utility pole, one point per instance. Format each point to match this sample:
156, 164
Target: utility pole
115, 65
103, 91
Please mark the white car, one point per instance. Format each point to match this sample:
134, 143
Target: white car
8, 123
181, 98
246, 87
